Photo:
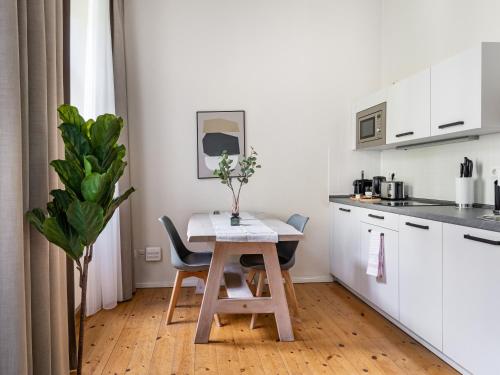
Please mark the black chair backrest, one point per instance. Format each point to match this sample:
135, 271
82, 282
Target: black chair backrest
177, 243
286, 249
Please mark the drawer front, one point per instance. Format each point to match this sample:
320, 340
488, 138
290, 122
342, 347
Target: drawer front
380, 218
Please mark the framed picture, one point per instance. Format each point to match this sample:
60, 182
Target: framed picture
219, 131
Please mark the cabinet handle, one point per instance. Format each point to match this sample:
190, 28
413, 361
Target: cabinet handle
376, 216
417, 225
483, 240
381, 234
451, 124
404, 134
344, 209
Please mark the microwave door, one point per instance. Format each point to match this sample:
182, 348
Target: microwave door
367, 128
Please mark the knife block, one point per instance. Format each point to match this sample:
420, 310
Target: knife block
496, 210
464, 193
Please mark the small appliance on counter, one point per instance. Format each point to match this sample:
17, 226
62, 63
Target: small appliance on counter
496, 210
393, 190
464, 191
360, 186
377, 184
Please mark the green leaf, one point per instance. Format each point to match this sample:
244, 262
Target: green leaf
70, 173
117, 152
70, 115
87, 219
36, 217
61, 198
115, 203
70, 242
86, 128
87, 166
104, 134
94, 162
75, 142
94, 186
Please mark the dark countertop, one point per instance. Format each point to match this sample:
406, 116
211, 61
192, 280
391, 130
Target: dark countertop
468, 217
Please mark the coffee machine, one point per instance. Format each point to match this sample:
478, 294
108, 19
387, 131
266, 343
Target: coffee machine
361, 184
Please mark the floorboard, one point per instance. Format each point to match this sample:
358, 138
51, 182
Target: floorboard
337, 334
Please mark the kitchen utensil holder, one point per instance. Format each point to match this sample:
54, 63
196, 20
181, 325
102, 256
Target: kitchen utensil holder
464, 193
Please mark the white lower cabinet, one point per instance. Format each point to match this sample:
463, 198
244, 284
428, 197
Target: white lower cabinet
420, 278
471, 298
384, 294
345, 244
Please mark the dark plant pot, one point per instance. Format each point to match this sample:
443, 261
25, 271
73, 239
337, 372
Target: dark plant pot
235, 220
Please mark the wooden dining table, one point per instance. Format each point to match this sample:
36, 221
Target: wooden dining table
205, 227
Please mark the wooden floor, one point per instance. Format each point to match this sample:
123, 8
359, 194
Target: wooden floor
338, 334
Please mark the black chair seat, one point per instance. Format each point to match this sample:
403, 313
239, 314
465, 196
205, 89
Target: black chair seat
256, 261
196, 261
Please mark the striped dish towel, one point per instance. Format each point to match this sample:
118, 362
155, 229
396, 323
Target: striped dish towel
376, 256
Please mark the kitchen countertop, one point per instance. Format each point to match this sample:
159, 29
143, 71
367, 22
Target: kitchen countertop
468, 217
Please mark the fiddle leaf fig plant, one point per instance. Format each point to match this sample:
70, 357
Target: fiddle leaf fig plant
77, 214
248, 165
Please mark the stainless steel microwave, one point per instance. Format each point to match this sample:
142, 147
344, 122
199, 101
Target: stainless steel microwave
370, 126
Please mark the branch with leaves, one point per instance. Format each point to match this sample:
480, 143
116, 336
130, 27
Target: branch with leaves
248, 165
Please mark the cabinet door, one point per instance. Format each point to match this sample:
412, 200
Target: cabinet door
409, 108
456, 93
420, 278
382, 294
345, 244
471, 298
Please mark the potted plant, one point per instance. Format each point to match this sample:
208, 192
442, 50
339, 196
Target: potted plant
247, 169
77, 214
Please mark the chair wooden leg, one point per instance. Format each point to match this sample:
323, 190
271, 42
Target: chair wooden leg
204, 277
258, 293
291, 293
175, 295
251, 276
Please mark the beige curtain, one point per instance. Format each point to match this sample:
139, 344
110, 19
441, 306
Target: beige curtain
33, 310
120, 78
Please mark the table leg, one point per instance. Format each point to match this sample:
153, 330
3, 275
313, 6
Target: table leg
275, 281
211, 295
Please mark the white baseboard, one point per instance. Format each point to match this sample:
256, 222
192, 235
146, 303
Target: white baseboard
192, 281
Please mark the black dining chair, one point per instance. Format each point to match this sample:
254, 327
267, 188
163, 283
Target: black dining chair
286, 256
186, 262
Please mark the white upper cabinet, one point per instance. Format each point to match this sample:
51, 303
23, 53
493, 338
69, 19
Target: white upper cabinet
409, 108
464, 92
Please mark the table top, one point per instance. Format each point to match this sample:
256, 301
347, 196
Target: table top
200, 228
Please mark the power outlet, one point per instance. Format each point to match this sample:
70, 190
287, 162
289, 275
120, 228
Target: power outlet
153, 254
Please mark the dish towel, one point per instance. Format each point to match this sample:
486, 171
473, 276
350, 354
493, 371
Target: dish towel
376, 256
250, 229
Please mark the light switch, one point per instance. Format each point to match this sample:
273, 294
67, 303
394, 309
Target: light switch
153, 254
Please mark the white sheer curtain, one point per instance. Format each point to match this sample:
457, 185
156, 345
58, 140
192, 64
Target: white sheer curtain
96, 96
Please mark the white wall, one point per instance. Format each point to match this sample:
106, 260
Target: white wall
416, 34
294, 66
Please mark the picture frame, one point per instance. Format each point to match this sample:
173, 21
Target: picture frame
218, 131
